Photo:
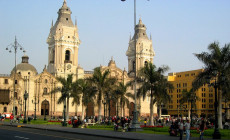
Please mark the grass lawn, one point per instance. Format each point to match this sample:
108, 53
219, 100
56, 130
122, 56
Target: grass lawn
38, 121
225, 134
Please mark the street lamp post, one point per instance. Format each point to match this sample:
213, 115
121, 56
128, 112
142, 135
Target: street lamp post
35, 109
216, 134
14, 47
25, 98
135, 126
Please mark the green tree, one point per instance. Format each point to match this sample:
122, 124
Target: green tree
67, 91
122, 95
161, 95
87, 92
216, 66
150, 79
103, 84
188, 97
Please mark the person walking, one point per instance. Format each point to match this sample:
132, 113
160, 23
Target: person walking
11, 119
181, 128
145, 122
201, 129
187, 129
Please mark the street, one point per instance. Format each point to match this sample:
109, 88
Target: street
17, 133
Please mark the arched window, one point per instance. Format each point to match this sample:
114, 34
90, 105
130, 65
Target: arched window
15, 95
5, 109
45, 91
46, 81
52, 56
67, 55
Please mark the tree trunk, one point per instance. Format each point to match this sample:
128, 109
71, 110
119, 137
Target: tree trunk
139, 108
83, 113
123, 110
151, 112
160, 111
220, 110
227, 115
99, 111
76, 110
67, 112
189, 112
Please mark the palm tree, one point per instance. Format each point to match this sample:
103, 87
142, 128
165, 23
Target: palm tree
122, 95
162, 96
151, 82
188, 97
67, 90
103, 83
84, 88
216, 66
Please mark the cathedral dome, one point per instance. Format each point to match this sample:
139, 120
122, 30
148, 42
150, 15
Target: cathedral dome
112, 63
25, 67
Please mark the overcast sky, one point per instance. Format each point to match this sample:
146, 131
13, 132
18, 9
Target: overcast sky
179, 28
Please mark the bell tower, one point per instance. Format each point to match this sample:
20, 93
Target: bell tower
63, 41
143, 50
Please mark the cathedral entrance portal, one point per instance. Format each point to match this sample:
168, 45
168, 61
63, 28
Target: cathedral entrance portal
131, 109
112, 108
45, 108
90, 110
16, 110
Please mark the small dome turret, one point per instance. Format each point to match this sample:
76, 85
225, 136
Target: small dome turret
112, 63
140, 30
25, 67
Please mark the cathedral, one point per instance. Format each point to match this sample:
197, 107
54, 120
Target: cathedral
63, 45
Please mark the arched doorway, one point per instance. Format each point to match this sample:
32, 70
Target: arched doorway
16, 110
90, 109
131, 109
112, 108
45, 108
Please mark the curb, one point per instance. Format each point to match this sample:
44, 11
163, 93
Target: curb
63, 131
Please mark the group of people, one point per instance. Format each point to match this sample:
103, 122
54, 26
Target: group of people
124, 122
181, 127
75, 121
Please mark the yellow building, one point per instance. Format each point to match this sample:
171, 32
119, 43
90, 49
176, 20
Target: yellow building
183, 81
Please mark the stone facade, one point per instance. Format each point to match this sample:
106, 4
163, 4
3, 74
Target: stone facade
63, 43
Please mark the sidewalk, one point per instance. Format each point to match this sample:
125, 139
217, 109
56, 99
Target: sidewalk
95, 132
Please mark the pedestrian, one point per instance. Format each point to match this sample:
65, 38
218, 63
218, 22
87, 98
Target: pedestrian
145, 122
11, 119
201, 129
187, 129
18, 120
181, 128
